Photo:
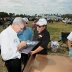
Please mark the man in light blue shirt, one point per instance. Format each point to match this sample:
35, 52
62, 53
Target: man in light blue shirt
25, 35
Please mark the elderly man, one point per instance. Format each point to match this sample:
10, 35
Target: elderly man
10, 45
43, 37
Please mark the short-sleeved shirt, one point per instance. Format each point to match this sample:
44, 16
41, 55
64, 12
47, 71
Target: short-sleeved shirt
9, 42
44, 39
69, 37
25, 34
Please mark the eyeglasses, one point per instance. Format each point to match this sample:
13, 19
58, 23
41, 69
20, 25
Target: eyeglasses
39, 26
26, 23
21, 28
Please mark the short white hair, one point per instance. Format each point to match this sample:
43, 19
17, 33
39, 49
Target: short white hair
18, 20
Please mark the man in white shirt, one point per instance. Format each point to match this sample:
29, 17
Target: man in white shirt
10, 45
70, 44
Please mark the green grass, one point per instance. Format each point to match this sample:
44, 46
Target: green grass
55, 30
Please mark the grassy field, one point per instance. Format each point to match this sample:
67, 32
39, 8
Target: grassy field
55, 30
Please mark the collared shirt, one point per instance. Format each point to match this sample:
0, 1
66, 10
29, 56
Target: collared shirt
25, 34
44, 39
9, 42
69, 37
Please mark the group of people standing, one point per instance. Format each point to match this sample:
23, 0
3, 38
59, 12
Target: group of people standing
15, 37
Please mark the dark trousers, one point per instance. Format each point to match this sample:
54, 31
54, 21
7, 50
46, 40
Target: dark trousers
13, 65
24, 58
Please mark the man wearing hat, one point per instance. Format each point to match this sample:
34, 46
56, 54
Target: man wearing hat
43, 37
25, 35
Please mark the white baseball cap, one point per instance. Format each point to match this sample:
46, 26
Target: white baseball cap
26, 19
41, 22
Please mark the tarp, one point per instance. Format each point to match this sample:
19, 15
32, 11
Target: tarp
50, 63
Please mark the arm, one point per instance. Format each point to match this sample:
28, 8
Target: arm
69, 44
37, 50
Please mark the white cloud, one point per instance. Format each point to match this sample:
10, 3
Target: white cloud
8, 3
36, 6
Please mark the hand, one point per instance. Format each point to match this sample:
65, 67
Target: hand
22, 44
32, 52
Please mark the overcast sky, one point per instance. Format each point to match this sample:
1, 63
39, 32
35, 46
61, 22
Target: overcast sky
36, 6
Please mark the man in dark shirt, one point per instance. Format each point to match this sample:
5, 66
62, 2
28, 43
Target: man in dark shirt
43, 37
